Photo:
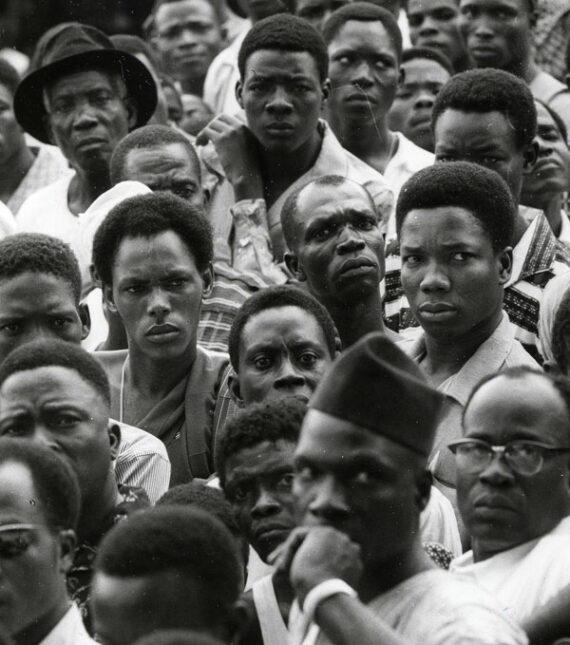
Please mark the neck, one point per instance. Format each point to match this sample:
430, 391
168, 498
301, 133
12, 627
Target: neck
357, 319
40, 628
378, 580
287, 167
525, 69
86, 186
97, 510
447, 357
552, 208
520, 227
149, 376
14, 170
193, 86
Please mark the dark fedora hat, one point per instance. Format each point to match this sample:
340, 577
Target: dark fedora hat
72, 47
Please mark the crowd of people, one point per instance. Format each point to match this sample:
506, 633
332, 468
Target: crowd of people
285, 326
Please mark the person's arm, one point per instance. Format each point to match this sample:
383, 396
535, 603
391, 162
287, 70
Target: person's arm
551, 621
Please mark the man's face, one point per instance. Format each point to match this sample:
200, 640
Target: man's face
485, 138
551, 172
497, 32
339, 249
259, 480
411, 111
157, 292
169, 168
188, 37
364, 71
317, 11
360, 483
37, 305
55, 407
282, 96
33, 583
434, 23
501, 508
451, 275
283, 352
126, 609
11, 135
88, 115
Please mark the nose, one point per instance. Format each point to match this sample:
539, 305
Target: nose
349, 241
428, 28
544, 148
265, 505
363, 76
497, 472
44, 436
424, 100
483, 27
187, 37
329, 505
158, 305
434, 278
280, 102
289, 376
84, 116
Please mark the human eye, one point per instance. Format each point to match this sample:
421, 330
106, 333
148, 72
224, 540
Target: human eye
308, 359
239, 493
366, 223
444, 157
62, 107
444, 14
100, 98
415, 19
13, 429
404, 93
461, 257
490, 160
411, 260
468, 12
171, 32
262, 362
286, 482
184, 191
10, 328
64, 420
134, 289
176, 283
60, 322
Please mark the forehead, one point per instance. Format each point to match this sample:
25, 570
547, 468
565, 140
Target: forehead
508, 406
261, 457
425, 6
475, 128
273, 325
39, 385
444, 225
81, 81
32, 292
164, 249
495, 4
369, 35
174, 12
280, 65
317, 200
18, 496
544, 118
6, 95
159, 159
420, 70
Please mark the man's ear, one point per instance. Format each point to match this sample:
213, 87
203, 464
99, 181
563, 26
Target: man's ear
239, 93
67, 543
326, 89
401, 76
530, 156
238, 622
108, 298
292, 263
114, 432
235, 392
85, 316
208, 279
423, 489
132, 112
505, 259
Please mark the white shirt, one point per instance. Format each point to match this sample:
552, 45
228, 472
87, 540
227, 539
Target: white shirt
47, 211
7, 221
525, 577
69, 631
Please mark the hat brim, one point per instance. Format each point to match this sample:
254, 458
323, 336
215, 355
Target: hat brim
235, 6
29, 106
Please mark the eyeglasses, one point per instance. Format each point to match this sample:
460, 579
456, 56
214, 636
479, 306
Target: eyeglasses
15, 539
523, 457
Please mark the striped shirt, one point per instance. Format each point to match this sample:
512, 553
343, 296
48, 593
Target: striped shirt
537, 258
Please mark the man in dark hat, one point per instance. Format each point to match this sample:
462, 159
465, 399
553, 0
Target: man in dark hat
84, 96
356, 562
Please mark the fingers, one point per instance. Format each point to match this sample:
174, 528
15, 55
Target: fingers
283, 555
217, 127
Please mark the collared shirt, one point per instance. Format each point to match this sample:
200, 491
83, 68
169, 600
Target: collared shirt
47, 211
333, 159
49, 166
497, 353
551, 34
7, 222
525, 577
537, 258
69, 630
564, 235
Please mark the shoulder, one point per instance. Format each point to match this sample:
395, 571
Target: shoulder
52, 195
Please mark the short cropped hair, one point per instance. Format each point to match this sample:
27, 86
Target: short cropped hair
37, 253
52, 352
9, 76
149, 137
54, 481
558, 121
413, 53
289, 210
218, 6
560, 328
189, 541
478, 190
560, 383
286, 33
265, 421
363, 12
273, 298
490, 90
134, 45
146, 216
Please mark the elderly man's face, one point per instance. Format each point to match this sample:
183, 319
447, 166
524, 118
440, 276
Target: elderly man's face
500, 507
88, 114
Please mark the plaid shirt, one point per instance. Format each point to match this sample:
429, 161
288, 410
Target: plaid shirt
550, 35
537, 258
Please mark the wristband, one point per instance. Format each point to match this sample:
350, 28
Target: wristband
323, 591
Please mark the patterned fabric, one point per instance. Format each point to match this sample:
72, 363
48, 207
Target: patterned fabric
439, 554
230, 290
551, 34
79, 577
537, 258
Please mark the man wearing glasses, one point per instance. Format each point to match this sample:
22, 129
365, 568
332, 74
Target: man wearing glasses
36, 545
513, 481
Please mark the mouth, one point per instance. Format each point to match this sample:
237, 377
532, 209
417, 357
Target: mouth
360, 97
545, 165
432, 44
483, 51
421, 122
162, 333
436, 311
357, 267
280, 129
272, 532
494, 504
90, 143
